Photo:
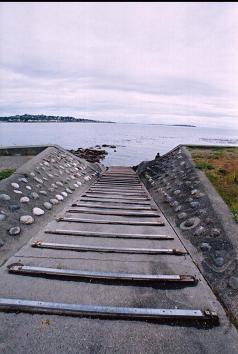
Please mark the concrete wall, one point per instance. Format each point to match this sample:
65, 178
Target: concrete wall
36, 190
200, 217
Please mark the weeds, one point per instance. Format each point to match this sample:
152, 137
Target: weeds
6, 173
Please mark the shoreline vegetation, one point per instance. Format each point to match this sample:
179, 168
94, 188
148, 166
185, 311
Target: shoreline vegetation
41, 118
220, 165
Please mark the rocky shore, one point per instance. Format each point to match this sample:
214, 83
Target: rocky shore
93, 154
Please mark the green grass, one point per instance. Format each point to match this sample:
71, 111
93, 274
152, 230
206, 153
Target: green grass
221, 167
6, 173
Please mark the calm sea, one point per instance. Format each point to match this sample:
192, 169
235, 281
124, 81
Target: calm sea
135, 142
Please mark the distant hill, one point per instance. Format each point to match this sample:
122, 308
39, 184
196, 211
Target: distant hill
39, 118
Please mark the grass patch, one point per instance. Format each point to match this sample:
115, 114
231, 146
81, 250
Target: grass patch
203, 165
6, 173
221, 167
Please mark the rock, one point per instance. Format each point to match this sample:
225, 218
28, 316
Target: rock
14, 207
17, 191
199, 231
182, 215
38, 211
190, 223
64, 194
47, 205
195, 204
177, 191
59, 183
215, 232
205, 246
2, 216
75, 185
13, 231
219, 261
79, 183
29, 188
22, 179
178, 208
59, 197
43, 192
68, 190
233, 283
34, 195
54, 201
38, 180
4, 197
24, 200
26, 219
32, 174
15, 185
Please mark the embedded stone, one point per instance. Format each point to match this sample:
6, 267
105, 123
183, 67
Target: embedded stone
34, 195
13, 231
38, 211
190, 223
43, 192
194, 191
47, 205
45, 179
79, 183
24, 200
59, 197
14, 207
29, 188
199, 231
38, 180
59, 183
54, 185
208, 221
233, 283
64, 194
54, 201
182, 215
22, 179
195, 204
17, 191
215, 232
68, 190
4, 197
2, 216
178, 208
15, 185
202, 212
188, 183
32, 174
219, 261
75, 185
177, 191
26, 219
205, 246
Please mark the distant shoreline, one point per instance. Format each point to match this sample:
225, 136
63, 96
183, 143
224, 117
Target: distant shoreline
42, 118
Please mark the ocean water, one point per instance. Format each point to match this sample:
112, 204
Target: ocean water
135, 142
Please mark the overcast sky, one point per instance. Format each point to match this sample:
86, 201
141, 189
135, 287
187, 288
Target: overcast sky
130, 62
